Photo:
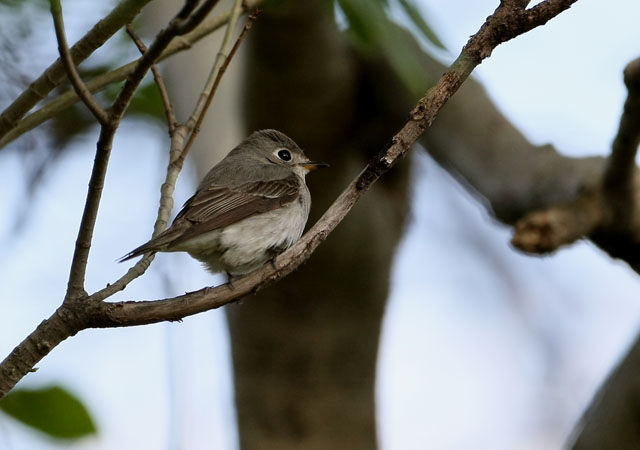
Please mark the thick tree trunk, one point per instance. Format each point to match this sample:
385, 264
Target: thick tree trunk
305, 352
613, 418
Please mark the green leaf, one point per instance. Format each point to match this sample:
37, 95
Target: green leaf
147, 102
414, 14
369, 23
51, 410
367, 19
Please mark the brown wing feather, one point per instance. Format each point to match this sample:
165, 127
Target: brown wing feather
217, 206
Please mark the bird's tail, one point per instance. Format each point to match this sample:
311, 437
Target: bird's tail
145, 248
157, 244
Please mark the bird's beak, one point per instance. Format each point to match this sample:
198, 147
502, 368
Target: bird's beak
313, 165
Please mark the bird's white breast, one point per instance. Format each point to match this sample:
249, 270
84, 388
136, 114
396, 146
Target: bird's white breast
246, 245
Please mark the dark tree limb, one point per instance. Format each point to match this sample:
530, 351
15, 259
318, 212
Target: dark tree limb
619, 175
545, 231
182, 23
611, 420
605, 211
172, 122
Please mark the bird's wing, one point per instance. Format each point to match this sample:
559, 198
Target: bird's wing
215, 206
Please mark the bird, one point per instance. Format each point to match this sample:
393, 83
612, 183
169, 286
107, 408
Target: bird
249, 208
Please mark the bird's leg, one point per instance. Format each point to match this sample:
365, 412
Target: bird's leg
276, 252
230, 279
273, 262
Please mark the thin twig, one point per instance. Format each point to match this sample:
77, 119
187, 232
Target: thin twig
168, 108
149, 57
75, 286
164, 211
196, 18
619, 174
78, 85
220, 57
216, 83
176, 161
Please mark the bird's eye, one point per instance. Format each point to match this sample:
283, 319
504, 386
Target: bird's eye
284, 155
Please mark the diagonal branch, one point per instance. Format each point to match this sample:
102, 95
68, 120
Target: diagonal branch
75, 285
162, 88
160, 43
196, 18
619, 174
509, 20
219, 68
78, 85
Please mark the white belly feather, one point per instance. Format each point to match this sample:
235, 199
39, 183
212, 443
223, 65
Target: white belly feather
246, 245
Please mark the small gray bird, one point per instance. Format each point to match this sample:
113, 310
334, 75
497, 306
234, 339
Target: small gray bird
250, 207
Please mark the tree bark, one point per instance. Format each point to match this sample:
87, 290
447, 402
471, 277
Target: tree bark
611, 421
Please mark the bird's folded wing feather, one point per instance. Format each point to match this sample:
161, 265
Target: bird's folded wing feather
218, 206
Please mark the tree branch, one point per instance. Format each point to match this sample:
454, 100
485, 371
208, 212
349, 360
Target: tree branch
62, 324
78, 85
164, 210
619, 174
545, 231
154, 51
75, 285
172, 123
137, 313
607, 211
215, 76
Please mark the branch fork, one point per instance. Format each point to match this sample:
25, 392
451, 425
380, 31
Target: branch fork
608, 213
